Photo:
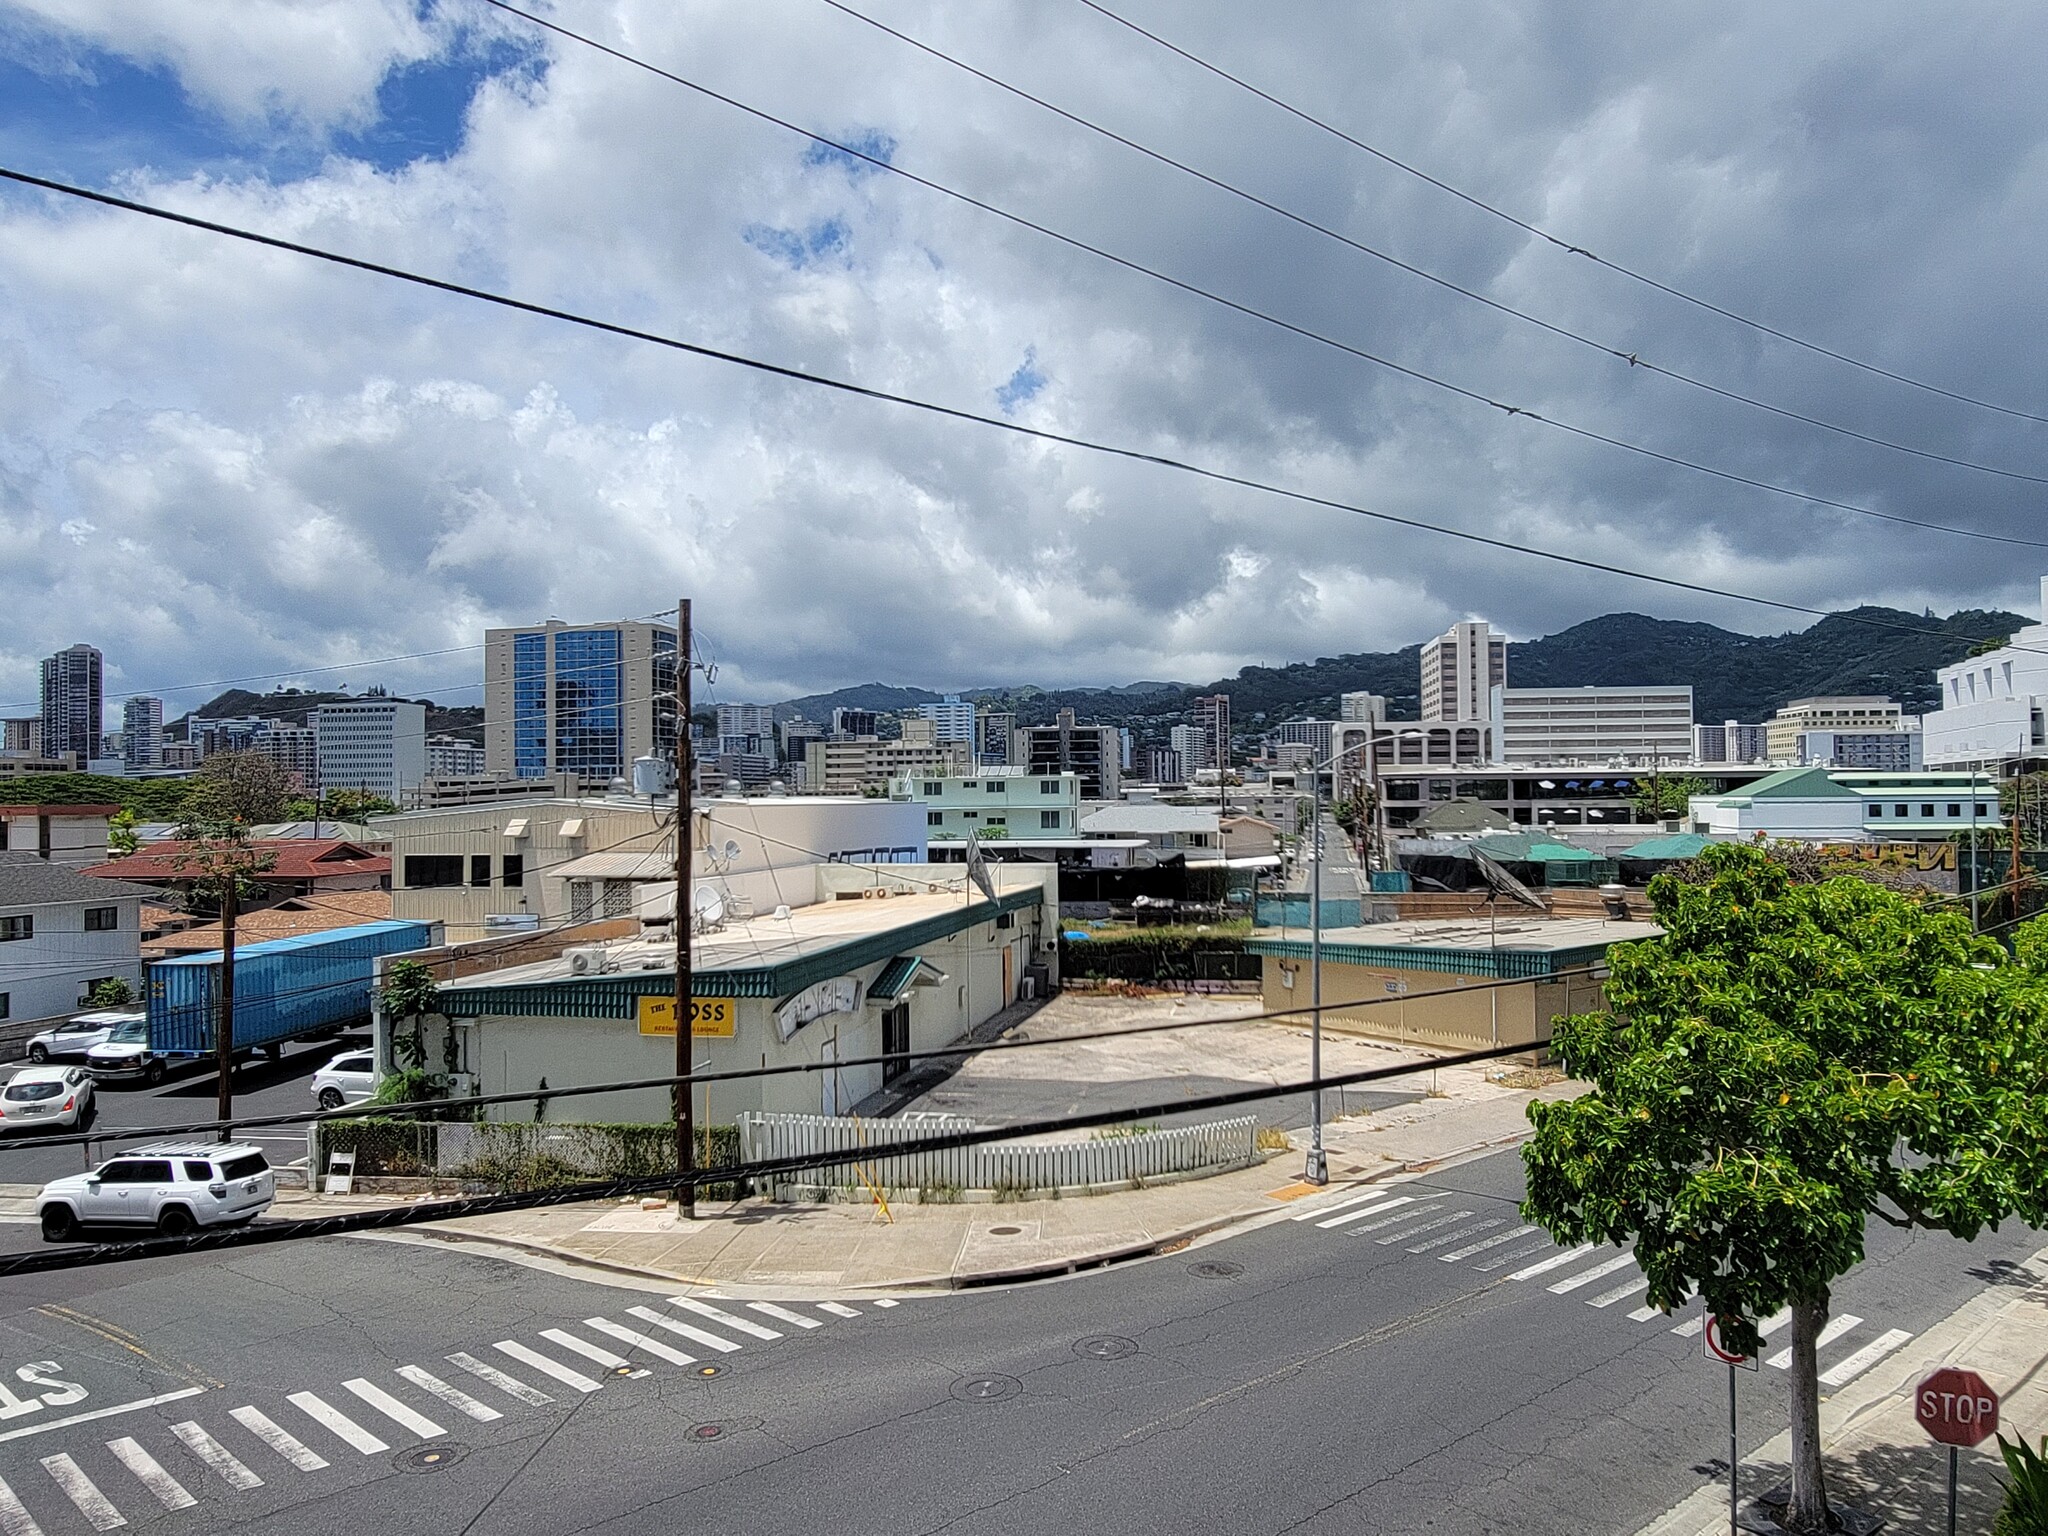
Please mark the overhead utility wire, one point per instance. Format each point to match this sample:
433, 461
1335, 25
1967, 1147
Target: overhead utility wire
1557, 240
1630, 356
1307, 333
954, 412
571, 1194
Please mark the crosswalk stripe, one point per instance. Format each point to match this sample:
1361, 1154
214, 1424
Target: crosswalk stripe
1645, 1313
1765, 1329
654, 1347
543, 1364
783, 1314
1492, 1242
454, 1397
1555, 1261
1458, 1234
1609, 1298
274, 1435
1396, 1219
217, 1456
1512, 1256
92, 1504
1588, 1276
836, 1309
1836, 1327
393, 1409
1864, 1358
15, 1520
150, 1473
1318, 1213
589, 1351
340, 1424
705, 1309
1346, 1217
511, 1386
884, 1302
1427, 1226
708, 1340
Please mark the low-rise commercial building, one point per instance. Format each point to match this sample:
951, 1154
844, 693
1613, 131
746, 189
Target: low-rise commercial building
60, 932
1860, 713
1823, 806
994, 803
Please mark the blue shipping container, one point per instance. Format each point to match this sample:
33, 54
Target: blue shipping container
283, 987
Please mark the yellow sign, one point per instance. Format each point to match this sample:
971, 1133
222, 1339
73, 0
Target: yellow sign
710, 1017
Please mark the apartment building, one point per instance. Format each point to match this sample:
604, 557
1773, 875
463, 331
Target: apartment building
450, 757
72, 702
294, 748
994, 803
952, 719
1592, 725
142, 731
585, 699
374, 744
60, 932
1730, 742
854, 765
1066, 746
1460, 669
994, 728
1210, 713
747, 730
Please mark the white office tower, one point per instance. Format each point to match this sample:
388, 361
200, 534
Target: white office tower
1460, 669
378, 745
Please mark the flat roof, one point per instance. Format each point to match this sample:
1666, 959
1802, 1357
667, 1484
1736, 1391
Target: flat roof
1513, 946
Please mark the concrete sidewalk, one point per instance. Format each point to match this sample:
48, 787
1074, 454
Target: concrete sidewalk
1878, 1459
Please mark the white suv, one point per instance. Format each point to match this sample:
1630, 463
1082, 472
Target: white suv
349, 1078
74, 1037
173, 1187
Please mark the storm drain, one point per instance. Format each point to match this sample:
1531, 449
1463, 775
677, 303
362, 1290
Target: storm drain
1105, 1346
1215, 1269
430, 1458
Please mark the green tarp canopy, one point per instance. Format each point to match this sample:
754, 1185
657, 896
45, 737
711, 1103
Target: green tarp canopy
1680, 845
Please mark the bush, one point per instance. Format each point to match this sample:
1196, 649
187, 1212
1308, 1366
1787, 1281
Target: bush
110, 992
517, 1157
1160, 954
2025, 1511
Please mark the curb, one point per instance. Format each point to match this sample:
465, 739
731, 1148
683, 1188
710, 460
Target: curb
545, 1251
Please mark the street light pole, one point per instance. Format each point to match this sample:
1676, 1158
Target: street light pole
1318, 1169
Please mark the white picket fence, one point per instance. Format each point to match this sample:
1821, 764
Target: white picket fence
992, 1167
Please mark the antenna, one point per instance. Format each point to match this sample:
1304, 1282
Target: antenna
1500, 883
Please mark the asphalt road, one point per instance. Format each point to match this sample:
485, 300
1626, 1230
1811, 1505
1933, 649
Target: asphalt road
1294, 1378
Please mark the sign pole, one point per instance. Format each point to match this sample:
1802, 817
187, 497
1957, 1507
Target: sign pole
1734, 1457
1952, 1491
1957, 1408
685, 1098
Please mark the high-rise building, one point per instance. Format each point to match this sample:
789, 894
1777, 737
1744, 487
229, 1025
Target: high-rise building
1313, 734
294, 748
747, 730
1361, 706
952, 719
1163, 764
585, 699
142, 726
1211, 711
1190, 743
71, 702
853, 722
795, 735
1730, 742
992, 744
1460, 669
1092, 751
450, 757
375, 744
22, 736
1838, 712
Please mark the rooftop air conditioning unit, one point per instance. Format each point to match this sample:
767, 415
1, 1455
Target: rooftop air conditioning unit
585, 960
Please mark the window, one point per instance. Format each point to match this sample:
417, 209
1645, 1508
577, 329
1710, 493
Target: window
512, 870
426, 871
935, 818
199, 1173
970, 815
1927, 811
102, 919
247, 1166
1049, 786
933, 787
1955, 812
1899, 810
6, 1005
137, 1170
23, 927
970, 784
480, 869
994, 786
1006, 919
1876, 811
1049, 821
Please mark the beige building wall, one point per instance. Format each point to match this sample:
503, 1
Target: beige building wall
1429, 1008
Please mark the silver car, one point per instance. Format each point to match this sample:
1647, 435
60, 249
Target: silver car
74, 1037
54, 1096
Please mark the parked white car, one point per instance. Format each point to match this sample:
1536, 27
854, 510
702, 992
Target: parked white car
74, 1037
172, 1187
349, 1078
47, 1095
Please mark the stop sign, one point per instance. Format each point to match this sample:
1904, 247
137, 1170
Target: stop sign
1956, 1407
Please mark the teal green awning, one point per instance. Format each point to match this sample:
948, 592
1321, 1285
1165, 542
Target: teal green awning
896, 977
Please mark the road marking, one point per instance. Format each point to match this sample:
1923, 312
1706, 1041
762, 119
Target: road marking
1644, 1314
101, 1413
783, 1314
168, 1490
1321, 1213
708, 1340
1491, 1242
1837, 1326
654, 1347
705, 1309
589, 1351
1427, 1226
1609, 1298
1588, 1276
1512, 1255
1864, 1358
14, 1519
274, 1435
459, 1400
337, 1421
1455, 1236
884, 1302
1555, 1261
511, 1386
1396, 1219
216, 1456
543, 1364
1364, 1211
836, 1309
393, 1409
1764, 1329
92, 1504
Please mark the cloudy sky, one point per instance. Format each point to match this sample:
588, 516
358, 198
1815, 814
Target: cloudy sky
219, 462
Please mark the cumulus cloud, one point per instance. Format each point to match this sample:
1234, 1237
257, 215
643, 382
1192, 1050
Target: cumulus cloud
224, 461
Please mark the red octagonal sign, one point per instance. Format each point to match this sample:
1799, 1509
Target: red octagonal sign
1956, 1407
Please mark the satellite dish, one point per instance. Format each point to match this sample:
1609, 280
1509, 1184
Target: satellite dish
730, 851
708, 906
1500, 883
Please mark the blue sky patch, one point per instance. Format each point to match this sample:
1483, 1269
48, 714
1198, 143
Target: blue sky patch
871, 142
824, 242
1021, 387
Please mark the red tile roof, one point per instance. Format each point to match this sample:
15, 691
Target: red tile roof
296, 858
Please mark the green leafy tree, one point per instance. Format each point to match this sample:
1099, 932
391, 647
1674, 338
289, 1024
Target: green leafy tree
110, 992
409, 995
340, 805
121, 838
1788, 1061
1658, 798
244, 788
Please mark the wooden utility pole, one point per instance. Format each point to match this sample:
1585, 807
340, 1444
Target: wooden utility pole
683, 1097
224, 1025
2013, 874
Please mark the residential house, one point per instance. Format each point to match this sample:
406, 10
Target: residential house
60, 932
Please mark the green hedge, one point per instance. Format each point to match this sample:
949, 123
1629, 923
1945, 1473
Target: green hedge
517, 1156
1159, 954
149, 799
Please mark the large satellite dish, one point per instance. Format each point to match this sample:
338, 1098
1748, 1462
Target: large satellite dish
1500, 883
708, 906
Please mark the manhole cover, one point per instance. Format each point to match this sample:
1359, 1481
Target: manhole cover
1105, 1346
1004, 1231
430, 1458
986, 1389
1215, 1269
628, 1372
708, 1371
712, 1431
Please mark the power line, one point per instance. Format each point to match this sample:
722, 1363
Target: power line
1540, 233
959, 413
1632, 357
